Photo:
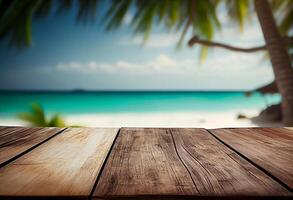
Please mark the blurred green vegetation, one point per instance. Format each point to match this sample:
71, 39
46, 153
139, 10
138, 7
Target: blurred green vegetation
202, 16
37, 117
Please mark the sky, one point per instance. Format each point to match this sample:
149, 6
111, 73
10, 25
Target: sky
66, 55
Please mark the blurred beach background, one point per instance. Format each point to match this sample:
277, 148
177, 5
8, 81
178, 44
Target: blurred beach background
140, 109
180, 63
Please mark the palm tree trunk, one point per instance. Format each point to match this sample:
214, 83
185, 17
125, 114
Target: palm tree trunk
279, 56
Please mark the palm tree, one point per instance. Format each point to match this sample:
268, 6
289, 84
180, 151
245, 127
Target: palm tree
201, 16
279, 56
180, 15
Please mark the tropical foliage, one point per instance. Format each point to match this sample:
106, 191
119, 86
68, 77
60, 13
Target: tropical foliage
202, 16
16, 16
199, 16
37, 117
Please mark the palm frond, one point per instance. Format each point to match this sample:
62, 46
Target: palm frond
116, 14
35, 116
87, 10
201, 16
56, 121
239, 11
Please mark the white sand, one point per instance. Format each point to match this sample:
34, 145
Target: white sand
164, 119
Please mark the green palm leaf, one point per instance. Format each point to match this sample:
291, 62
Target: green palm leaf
56, 121
35, 117
175, 15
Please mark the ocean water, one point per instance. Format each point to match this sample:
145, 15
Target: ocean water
67, 103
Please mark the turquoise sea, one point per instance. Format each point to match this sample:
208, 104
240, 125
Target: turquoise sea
67, 103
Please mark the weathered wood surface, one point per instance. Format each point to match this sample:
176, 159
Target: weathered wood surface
269, 148
66, 165
146, 163
16, 140
179, 163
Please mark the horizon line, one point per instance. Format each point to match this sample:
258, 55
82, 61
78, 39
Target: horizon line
111, 90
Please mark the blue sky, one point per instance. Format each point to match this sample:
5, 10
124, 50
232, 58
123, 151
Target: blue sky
67, 55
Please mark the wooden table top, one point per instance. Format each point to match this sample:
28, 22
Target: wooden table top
146, 163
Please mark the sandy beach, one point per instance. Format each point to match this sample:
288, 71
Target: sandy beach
155, 119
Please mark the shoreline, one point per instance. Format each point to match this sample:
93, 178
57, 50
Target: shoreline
223, 119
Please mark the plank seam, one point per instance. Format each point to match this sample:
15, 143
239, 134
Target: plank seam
103, 165
13, 131
251, 162
30, 149
28, 130
182, 160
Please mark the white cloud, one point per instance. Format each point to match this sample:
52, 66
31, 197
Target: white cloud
251, 36
162, 63
229, 33
71, 65
229, 64
155, 40
220, 71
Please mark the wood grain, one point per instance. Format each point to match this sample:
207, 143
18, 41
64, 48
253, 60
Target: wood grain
269, 148
15, 140
66, 165
144, 162
8, 130
219, 171
179, 163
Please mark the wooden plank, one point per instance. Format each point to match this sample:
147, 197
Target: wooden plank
16, 140
179, 163
7, 130
217, 170
66, 165
144, 162
269, 148
4, 127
